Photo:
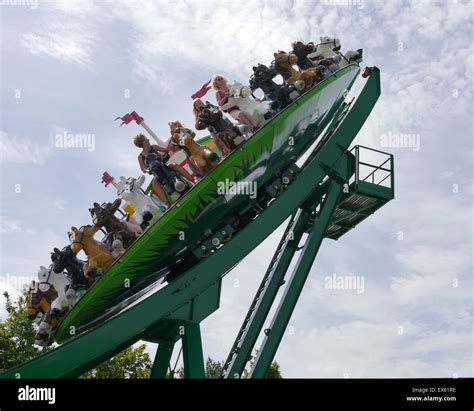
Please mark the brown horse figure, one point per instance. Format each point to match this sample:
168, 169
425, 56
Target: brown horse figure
211, 117
202, 157
39, 302
98, 256
301, 51
104, 216
284, 63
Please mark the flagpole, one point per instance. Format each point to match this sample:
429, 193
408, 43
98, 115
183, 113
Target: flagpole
161, 143
134, 116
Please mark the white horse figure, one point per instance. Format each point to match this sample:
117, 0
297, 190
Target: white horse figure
129, 189
48, 278
239, 96
329, 48
351, 57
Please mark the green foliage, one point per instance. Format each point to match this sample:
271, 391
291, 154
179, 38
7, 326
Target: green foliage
17, 334
213, 369
130, 363
272, 373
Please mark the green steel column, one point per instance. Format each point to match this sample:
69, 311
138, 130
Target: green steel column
162, 359
265, 303
192, 351
295, 285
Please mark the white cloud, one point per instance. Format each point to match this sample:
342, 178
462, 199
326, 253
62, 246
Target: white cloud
22, 150
60, 46
10, 226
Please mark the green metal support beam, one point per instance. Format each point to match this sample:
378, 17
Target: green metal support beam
254, 326
162, 359
192, 351
295, 285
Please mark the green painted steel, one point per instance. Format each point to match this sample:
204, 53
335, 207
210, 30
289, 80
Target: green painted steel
257, 318
274, 334
162, 359
193, 358
258, 159
277, 328
86, 350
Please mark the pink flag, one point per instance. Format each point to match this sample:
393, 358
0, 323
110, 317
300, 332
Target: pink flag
129, 117
107, 178
202, 92
136, 117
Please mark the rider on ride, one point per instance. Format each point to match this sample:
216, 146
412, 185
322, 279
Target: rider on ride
142, 142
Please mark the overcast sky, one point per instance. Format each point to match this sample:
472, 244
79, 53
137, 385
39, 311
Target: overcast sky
72, 67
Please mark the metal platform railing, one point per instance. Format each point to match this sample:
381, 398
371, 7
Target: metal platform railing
366, 168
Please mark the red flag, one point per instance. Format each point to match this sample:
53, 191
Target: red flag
129, 117
202, 92
107, 178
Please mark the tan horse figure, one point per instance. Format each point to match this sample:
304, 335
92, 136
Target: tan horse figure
202, 157
284, 63
98, 257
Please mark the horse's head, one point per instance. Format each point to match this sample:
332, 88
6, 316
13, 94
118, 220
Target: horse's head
333, 43
99, 214
76, 236
285, 59
131, 188
301, 49
210, 113
121, 185
44, 275
354, 56
263, 73
183, 136
66, 260
58, 259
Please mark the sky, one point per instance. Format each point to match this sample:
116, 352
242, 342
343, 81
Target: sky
72, 67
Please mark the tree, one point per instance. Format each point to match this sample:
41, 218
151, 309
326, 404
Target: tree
272, 373
16, 347
214, 369
16, 334
130, 363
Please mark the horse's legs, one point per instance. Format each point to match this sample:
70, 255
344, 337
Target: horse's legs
200, 160
90, 271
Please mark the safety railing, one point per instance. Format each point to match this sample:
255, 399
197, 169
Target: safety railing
373, 166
